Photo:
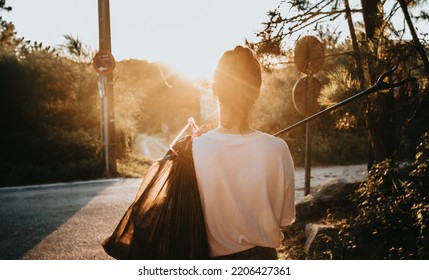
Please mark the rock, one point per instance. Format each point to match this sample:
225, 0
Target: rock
319, 235
314, 205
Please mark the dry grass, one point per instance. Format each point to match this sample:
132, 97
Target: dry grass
292, 247
133, 166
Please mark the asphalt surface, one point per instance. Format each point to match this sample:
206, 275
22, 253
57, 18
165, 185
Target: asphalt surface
62, 221
69, 221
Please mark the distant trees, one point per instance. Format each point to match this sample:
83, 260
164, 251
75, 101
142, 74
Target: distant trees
49, 121
8, 40
145, 102
76, 50
50, 109
48, 113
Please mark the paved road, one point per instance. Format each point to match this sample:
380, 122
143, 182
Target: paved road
151, 146
69, 221
62, 221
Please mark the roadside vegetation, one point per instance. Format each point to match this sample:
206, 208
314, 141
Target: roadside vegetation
387, 216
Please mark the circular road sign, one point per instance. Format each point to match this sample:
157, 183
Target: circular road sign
104, 63
309, 55
305, 93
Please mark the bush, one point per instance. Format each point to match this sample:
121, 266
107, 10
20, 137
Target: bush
50, 118
389, 214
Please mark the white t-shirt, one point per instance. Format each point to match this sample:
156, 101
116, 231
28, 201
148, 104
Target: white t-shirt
247, 189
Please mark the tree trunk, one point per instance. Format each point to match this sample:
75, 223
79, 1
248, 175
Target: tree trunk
375, 141
416, 40
357, 55
372, 11
380, 114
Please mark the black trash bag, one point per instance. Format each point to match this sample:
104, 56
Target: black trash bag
166, 220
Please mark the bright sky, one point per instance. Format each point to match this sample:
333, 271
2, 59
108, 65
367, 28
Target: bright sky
190, 35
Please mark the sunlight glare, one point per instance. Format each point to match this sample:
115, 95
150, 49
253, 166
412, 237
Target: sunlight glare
192, 64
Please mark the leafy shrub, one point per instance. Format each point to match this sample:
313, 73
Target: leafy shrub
389, 218
50, 118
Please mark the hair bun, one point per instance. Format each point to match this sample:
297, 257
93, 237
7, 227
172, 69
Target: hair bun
243, 53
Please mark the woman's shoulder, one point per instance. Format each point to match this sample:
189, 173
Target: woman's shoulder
256, 137
271, 138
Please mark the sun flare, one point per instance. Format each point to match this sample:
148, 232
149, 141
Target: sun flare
194, 65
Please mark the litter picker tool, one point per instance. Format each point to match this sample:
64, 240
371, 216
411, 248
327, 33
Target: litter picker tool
379, 85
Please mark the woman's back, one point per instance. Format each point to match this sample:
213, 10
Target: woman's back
245, 177
246, 184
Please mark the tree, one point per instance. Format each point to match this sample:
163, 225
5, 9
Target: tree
370, 51
4, 7
10, 43
416, 40
380, 123
8, 40
76, 50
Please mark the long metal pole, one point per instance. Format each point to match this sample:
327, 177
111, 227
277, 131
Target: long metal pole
106, 129
307, 177
307, 159
327, 110
378, 86
105, 45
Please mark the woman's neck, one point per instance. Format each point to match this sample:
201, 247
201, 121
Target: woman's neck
231, 123
234, 130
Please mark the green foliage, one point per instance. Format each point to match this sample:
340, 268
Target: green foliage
76, 50
325, 247
149, 99
412, 116
274, 110
418, 189
339, 87
49, 116
339, 147
3, 6
50, 113
388, 217
132, 165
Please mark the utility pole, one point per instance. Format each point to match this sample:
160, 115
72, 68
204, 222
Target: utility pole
106, 83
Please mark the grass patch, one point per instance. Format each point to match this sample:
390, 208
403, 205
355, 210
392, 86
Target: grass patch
133, 166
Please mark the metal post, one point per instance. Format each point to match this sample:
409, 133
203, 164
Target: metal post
307, 181
106, 131
101, 93
307, 159
109, 125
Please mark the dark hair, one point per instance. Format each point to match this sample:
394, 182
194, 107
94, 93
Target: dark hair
237, 83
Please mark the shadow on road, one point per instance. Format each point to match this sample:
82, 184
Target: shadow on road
29, 214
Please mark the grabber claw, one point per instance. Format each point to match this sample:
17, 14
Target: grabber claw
381, 84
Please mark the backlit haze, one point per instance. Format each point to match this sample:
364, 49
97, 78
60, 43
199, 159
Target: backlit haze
189, 35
